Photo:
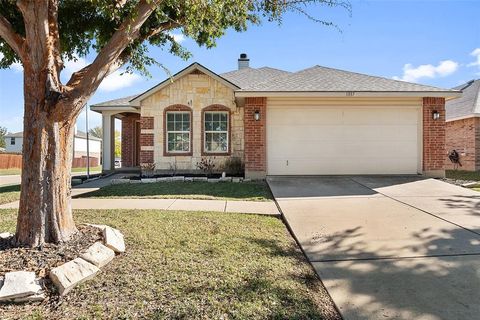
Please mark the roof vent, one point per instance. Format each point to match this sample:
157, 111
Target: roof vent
243, 61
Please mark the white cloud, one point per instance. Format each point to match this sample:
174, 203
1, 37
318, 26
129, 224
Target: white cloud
71, 66
178, 37
117, 81
413, 74
113, 82
475, 53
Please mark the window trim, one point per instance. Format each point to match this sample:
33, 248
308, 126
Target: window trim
14, 140
217, 108
177, 108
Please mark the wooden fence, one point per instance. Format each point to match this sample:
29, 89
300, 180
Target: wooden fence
10, 161
14, 161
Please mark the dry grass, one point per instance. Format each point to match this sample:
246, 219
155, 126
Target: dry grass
192, 265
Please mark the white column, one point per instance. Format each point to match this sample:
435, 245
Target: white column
108, 143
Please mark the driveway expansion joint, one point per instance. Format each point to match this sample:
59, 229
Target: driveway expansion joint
414, 207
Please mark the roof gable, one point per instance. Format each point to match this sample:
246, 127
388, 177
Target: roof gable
194, 67
468, 104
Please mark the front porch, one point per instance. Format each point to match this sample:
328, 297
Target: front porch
130, 136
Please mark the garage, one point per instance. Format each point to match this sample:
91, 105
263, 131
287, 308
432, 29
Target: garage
335, 137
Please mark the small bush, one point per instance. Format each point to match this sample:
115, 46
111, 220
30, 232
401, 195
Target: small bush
207, 165
234, 166
148, 169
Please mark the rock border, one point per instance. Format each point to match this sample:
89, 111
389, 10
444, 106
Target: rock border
23, 286
179, 179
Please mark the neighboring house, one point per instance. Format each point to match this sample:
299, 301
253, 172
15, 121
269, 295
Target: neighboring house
312, 122
14, 142
463, 126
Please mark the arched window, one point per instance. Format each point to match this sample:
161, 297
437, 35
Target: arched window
177, 129
216, 128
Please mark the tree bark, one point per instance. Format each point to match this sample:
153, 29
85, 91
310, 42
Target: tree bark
45, 213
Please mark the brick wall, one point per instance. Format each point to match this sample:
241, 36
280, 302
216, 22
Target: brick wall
146, 122
434, 152
147, 139
463, 136
128, 139
255, 137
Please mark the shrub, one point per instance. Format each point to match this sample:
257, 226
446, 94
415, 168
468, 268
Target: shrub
234, 166
207, 165
148, 169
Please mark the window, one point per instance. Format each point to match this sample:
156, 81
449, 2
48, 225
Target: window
178, 132
216, 131
12, 141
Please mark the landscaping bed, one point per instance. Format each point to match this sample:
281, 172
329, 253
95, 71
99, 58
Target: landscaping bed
195, 265
251, 191
48, 256
463, 178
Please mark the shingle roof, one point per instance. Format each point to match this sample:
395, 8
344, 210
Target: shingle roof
250, 76
14, 135
79, 134
323, 79
121, 102
83, 135
468, 104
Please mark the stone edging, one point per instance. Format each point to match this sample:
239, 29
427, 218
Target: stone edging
180, 179
24, 286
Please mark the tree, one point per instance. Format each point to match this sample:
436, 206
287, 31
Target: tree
42, 34
118, 144
3, 132
96, 132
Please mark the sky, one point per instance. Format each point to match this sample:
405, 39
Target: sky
433, 42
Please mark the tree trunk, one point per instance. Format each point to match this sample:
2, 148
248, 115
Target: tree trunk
45, 213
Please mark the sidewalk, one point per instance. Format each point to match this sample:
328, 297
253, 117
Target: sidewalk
256, 207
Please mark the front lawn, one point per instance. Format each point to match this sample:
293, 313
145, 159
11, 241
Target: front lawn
253, 191
463, 175
9, 194
92, 169
7, 172
191, 265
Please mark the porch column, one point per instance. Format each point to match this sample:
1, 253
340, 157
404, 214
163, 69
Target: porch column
108, 142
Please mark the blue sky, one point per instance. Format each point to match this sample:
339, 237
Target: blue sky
430, 42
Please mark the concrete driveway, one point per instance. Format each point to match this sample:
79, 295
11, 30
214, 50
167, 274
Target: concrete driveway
389, 247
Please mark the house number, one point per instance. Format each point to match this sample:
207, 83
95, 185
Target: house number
349, 93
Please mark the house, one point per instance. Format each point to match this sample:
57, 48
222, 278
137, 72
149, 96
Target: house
14, 142
317, 121
463, 126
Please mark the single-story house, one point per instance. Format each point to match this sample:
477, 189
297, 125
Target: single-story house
317, 121
14, 144
463, 126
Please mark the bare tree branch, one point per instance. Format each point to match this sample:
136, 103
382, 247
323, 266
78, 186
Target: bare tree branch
84, 82
13, 39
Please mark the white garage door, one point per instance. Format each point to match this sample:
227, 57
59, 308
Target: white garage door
323, 140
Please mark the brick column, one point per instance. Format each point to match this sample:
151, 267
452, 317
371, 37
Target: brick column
129, 139
255, 138
146, 140
434, 152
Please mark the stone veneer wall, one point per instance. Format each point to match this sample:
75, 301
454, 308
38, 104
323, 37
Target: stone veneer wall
196, 91
464, 136
434, 152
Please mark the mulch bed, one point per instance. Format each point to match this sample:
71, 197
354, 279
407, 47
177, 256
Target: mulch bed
46, 257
